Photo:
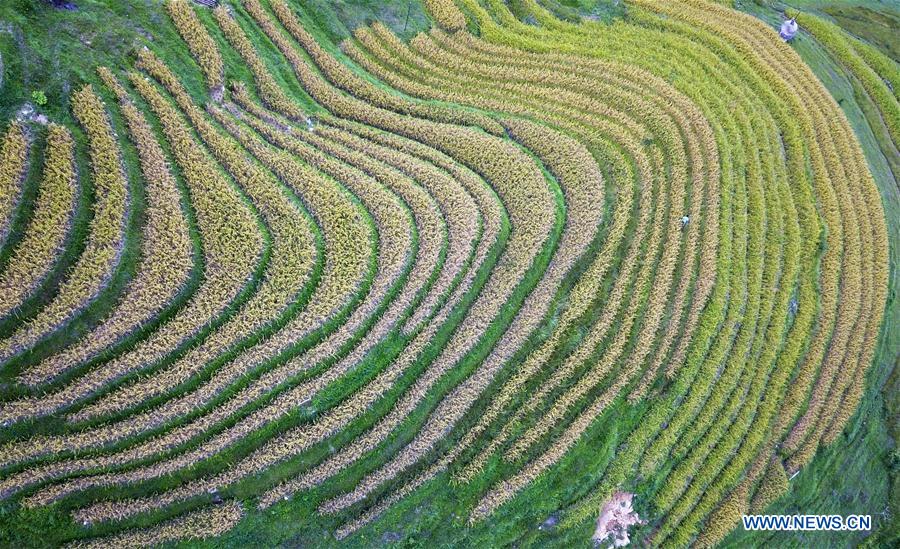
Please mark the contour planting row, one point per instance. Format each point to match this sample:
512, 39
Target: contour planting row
701, 407
657, 416
874, 71
230, 263
825, 168
541, 178
165, 265
51, 221
198, 40
446, 14
285, 282
269, 91
13, 168
465, 46
466, 64
106, 239
342, 77
199, 525
270, 413
58, 469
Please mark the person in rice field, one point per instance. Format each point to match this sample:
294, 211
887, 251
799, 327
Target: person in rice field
789, 29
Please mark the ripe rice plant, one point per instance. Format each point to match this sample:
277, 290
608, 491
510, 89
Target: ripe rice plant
270, 92
100, 258
167, 255
13, 159
35, 254
523, 264
446, 14
201, 44
875, 72
198, 525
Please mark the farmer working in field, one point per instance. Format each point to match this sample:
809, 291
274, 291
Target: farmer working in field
789, 29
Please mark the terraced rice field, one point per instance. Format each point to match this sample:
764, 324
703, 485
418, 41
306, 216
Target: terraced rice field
265, 287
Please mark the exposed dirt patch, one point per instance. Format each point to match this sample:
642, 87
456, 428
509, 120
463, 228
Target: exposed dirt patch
616, 516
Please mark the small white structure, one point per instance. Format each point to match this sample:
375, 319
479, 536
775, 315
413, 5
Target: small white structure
788, 29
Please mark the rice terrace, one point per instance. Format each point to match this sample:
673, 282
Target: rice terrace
448, 273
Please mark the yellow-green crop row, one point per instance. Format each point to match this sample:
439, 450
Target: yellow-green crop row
887, 68
34, 255
201, 44
98, 262
750, 398
756, 43
853, 58
13, 165
490, 212
270, 92
459, 400
446, 14
289, 269
487, 53
456, 204
377, 30
343, 77
661, 447
206, 523
742, 353
166, 254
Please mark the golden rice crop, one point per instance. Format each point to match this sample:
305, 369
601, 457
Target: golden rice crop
288, 271
446, 14
35, 254
13, 166
166, 256
230, 261
467, 265
97, 264
859, 60
270, 92
198, 525
201, 44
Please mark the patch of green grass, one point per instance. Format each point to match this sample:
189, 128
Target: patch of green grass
875, 26
338, 18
